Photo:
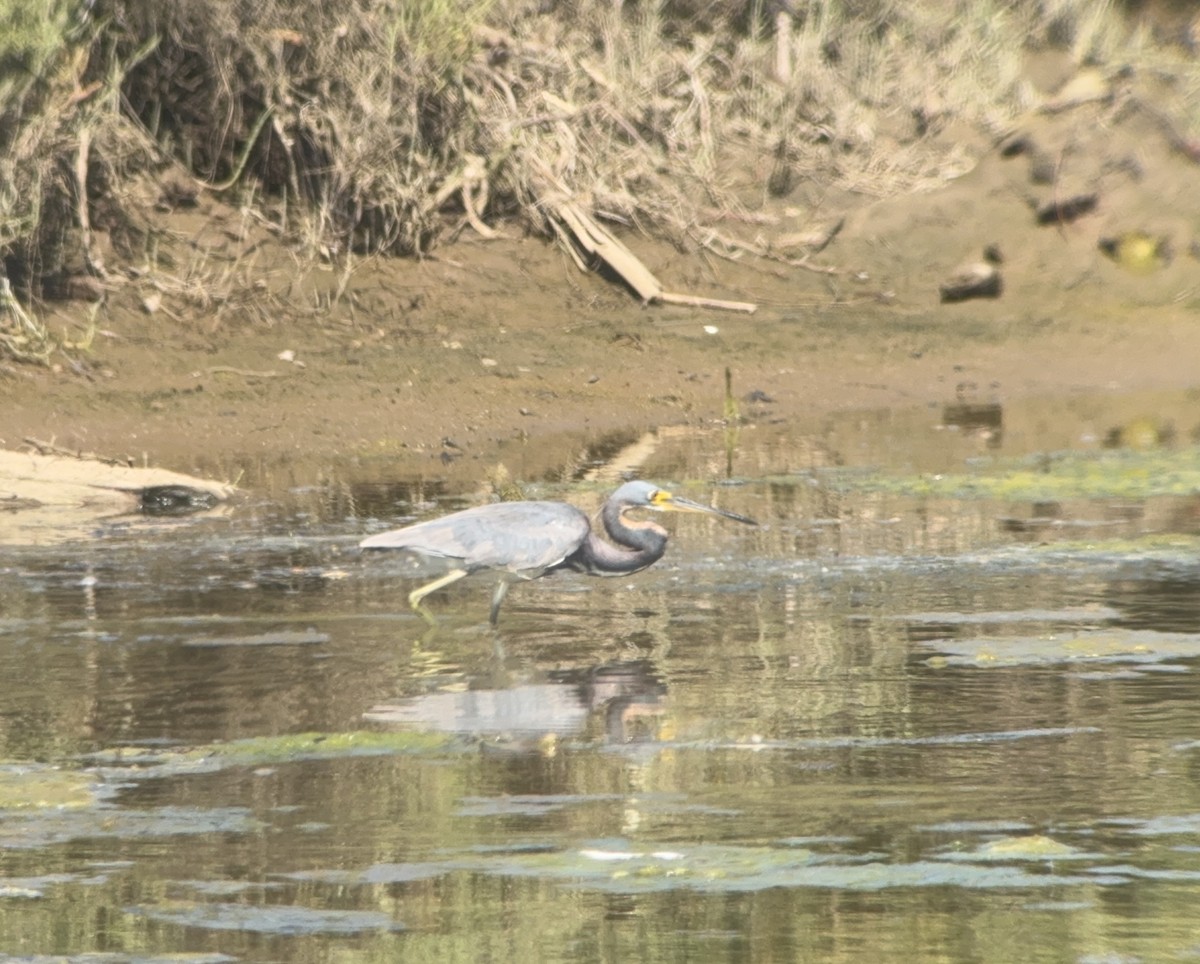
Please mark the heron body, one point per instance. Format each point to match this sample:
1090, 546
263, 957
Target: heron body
525, 540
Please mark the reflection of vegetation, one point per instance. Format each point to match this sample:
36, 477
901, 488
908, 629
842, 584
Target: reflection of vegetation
809, 804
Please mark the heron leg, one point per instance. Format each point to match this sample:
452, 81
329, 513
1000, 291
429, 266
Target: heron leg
417, 595
498, 595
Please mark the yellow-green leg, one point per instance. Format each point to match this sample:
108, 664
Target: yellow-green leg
417, 595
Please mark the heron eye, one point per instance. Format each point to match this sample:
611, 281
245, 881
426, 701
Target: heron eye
659, 497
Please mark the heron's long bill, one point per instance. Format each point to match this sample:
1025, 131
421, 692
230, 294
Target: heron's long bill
676, 503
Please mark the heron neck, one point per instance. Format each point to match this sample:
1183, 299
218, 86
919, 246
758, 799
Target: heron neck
605, 559
637, 545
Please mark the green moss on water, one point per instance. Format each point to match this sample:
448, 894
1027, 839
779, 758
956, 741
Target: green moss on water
1156, 544
1113, 644
259, 919
1068, 475
308, 746
723, 868
24, 787
1029, 847
275, 750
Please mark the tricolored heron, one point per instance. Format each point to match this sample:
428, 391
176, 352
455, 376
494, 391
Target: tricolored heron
525, 540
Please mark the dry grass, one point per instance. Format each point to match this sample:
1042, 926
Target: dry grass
37, 59
378, 125
23, 337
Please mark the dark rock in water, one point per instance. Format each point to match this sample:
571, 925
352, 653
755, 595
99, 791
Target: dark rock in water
170, 500
58, 497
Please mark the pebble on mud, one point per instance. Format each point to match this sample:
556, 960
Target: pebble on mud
979, 279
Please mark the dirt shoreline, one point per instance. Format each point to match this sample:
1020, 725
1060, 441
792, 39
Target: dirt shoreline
506, 350
534, 383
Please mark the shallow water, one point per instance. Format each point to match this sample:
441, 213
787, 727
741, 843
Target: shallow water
916, 715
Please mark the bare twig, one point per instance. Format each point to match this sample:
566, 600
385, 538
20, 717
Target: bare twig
243, 372
731, 249
50, 448
95, 262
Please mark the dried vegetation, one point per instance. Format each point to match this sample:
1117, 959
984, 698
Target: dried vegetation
382, 126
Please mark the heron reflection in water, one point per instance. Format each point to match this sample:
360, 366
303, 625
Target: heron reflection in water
525, 540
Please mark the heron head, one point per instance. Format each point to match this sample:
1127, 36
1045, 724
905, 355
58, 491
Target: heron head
640, 494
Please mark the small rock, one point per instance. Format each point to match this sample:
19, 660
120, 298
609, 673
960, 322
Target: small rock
1015, 145
1064, 210
976, 280
1043, 169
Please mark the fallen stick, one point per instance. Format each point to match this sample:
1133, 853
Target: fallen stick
569, 246
243, 372
695, 301
49, 448
730, 248
596, 241
586, 236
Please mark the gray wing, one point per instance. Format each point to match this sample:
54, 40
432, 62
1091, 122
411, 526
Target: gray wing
526, 537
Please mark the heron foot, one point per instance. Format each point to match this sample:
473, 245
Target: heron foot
421, 610
416, 597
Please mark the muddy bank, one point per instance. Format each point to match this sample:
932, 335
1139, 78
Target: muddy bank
504, 351
535, 378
